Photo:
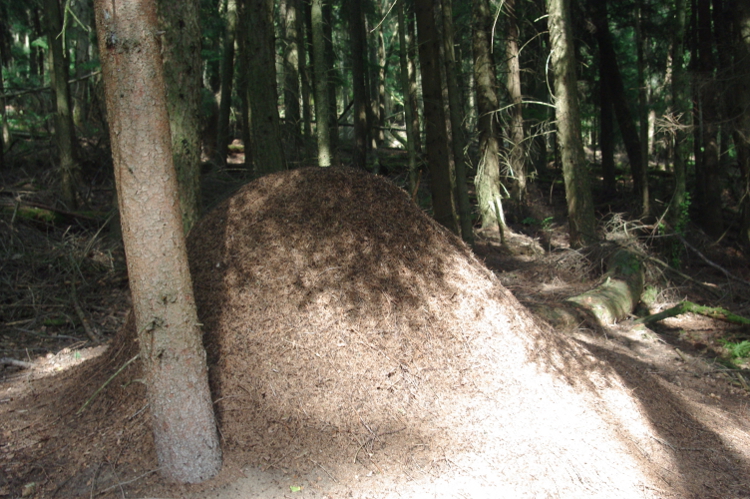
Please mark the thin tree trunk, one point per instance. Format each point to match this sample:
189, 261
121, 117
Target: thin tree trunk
305, 70
227, 80
517, 153
174, 361
710, 202
624, 116
322, 109
678, 110
292, 116
70, 170
442, 181
413, 86
487, 180
182, 59
607, 132
359, 111
269, 154
409, 111
242, 85
741, 135
456, 117
333, 123
577, 191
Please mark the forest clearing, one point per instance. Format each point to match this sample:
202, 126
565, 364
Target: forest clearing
393, 248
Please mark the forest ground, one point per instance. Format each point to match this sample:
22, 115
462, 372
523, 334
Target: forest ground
64, 285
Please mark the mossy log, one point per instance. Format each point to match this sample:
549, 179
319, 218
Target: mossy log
688, 306
613, 300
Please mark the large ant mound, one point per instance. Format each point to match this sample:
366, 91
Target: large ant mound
345, 326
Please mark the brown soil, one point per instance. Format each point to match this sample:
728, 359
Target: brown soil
357, 349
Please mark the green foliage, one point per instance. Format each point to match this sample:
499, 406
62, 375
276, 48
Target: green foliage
648, 297
544, 224
674, 248
739, 350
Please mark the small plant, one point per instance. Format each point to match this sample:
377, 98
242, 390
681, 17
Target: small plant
739, 350
545, 224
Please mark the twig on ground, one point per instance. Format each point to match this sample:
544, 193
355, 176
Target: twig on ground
79, 311
713, 264
106, 383
6, 361
128, 482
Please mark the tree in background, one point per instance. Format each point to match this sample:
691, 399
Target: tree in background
65, 137
322, 108
169, 335
487, 180
227, 80
439, 155
577, 191
359, 110
181, 53
269, 154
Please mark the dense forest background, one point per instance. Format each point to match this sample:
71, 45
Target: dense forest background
457, 96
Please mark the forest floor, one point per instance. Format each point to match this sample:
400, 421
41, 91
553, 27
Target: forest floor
682, 429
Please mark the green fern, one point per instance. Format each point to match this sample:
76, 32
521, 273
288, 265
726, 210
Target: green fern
737, 350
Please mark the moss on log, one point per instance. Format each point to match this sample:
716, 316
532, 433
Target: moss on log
688, 306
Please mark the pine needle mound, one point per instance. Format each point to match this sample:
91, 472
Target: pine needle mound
344, 326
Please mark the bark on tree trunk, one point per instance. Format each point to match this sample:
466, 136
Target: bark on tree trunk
242, 86
517, 153
269, 156
227, 80
487, 179
577, 191
174, 361
742, 126
607, 133
455, 112
333, 123
709, 189
624, 116
70, 170
442, 182
322, 109
181, 52
409, 111
678, 110
292, 115
359, 111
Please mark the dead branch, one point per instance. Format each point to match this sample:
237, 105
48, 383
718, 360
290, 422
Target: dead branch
5, 361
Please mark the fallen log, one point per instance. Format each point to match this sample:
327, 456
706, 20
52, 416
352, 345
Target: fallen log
611, 301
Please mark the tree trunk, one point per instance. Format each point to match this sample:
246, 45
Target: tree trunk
333, 122
442, 181
678, 111
242, 85
741, 134
456, 117
70, 170
227, 80
181, 52
292, 115
487, 179
307, 79
517, 153
411, 39
624, 116
174, 361
577, 191
607, 131
263, 94
322, 109
359, 110
709, 198
409, 111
